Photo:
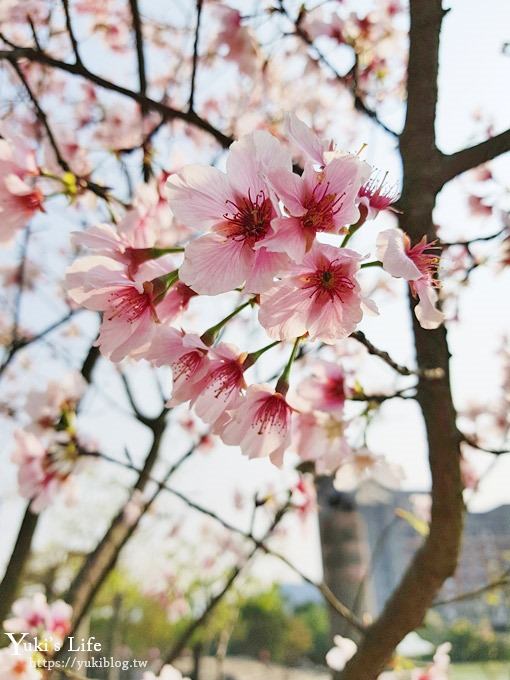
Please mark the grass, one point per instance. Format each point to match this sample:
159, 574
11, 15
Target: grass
485, 671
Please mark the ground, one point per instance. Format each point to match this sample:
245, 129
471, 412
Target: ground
246, 669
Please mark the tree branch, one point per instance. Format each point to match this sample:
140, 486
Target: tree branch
70, 31
195, 56
467, 159
501, 582
167, 112
428, 373
437, 559
339, 607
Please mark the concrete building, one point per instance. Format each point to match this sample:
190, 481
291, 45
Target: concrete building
367, 546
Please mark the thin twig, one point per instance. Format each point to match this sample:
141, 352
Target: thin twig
195, 57
428, 373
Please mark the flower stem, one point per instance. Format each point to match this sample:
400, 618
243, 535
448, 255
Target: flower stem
354, 227
282, 385
253, 357
375, 263
210, 334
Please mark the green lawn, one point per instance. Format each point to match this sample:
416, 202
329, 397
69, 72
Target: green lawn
486, 671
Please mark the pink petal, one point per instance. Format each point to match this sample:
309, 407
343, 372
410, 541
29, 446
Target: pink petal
288, 236
214, 264
304, 137
426, 312
290, 190
198, 196
390, 251
251, 157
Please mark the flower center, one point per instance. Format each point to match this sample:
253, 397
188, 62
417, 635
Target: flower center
128, 304
30, 202
272, 415
249, 219
227, 378
328, 282
186, 365
321, 207
425, 257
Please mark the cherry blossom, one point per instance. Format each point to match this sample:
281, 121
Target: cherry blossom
43, 469
376, 195
363, 465
187, 356
239, 209
320, 437
34, 615
325, 389
439, 669
242, 48
320, 297
18, 664
45, 408
417, 264
340, 654
220, 390
317, 202
19, 199
261, 425
131, 309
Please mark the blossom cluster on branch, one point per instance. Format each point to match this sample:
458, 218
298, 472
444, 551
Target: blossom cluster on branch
278, 237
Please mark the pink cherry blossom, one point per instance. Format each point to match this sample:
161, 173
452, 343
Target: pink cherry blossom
30, 615
376, 195
363, 465
35, 616
46, 407
439, 669
186, 355
220, 389
320, 297
325, 390
19, 199
261, 424
306, 139
131, 309
17, 664
149, 225
341, 653
318, 201
238, 207
42, 469
417, 264
304, 496
320, 438
242, 48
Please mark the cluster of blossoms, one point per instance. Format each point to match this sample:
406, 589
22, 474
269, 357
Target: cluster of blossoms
20, 198
33, 620
344, 649
265, 226
47, 450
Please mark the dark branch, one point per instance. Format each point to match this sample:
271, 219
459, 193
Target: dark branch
167, 112
467, 159
195, 56
70, 31
428, 373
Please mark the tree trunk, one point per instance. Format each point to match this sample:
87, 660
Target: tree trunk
17, 561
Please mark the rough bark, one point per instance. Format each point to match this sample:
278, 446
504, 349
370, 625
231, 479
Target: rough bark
17, 561
423, 177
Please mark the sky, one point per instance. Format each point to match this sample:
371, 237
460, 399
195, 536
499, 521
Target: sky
473, 78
